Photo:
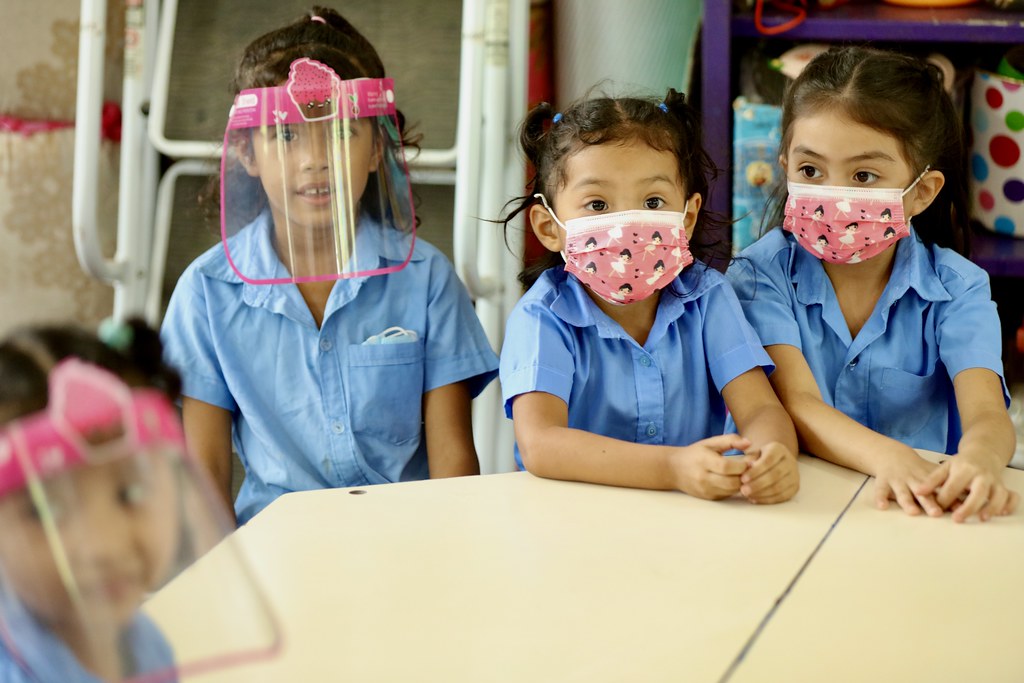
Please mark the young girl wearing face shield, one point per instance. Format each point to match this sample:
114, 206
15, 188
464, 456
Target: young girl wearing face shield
618, 369
101, 506
320, 341
86, 530
884, 337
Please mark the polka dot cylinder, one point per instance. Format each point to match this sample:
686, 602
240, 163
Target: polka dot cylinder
996, 167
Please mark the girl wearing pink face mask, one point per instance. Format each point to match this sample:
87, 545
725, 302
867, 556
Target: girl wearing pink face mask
884, 336
619, 370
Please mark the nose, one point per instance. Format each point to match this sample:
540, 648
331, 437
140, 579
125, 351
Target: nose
100, 531
315, 152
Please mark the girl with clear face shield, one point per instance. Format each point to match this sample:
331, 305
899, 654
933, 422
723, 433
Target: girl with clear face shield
100, 507
884, 335
321, 341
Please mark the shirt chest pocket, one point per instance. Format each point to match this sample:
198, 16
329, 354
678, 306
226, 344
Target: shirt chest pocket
907, 403
385, 390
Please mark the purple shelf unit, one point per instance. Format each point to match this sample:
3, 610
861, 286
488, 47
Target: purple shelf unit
881, 22
1000, 255
858, 21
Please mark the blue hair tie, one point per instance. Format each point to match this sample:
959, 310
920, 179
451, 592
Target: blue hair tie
115, 334
663, 107
556, 118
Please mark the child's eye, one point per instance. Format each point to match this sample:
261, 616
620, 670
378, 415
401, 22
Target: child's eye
654, 202
809, 172
287, 134
865, 177
55, 509
132, 493
597, 205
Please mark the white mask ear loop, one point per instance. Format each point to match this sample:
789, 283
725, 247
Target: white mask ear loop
551, 211
916, 181
544, 201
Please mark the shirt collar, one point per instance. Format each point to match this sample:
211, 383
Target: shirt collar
36, 647
917, 270
912, 268
254, 245
575, 307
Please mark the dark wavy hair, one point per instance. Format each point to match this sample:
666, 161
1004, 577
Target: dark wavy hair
899, 95
28, 355
671, 125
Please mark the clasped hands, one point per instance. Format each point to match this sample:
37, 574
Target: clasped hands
964, 485
764, 476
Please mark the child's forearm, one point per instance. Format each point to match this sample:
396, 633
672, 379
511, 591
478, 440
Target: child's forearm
989, 440
769, 424
831, 435
208, 433
571, 454
988, 434
448, 430
455, 461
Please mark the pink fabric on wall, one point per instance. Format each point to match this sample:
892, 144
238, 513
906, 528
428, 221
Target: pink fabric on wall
26, 127
110, 124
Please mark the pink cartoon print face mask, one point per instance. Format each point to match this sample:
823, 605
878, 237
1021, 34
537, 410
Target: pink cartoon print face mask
626, 256
846, 224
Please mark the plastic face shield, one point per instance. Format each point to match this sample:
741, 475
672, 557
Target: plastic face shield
314, 184
100, 508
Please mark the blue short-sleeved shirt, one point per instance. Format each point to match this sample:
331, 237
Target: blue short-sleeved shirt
667, 391
40, 657
934, 319
317, 408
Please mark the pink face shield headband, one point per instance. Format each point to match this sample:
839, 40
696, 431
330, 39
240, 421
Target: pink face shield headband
87, 404
313, 93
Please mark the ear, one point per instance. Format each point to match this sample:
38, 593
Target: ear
692, 209
784, 164
548, 232
244, 150
924, 193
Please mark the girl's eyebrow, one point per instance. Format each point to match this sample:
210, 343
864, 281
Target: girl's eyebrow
661, 177
874, 155
583, 182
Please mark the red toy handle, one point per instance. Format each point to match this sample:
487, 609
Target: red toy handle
798, 8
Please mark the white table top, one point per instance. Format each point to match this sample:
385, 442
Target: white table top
515, 578
891, 597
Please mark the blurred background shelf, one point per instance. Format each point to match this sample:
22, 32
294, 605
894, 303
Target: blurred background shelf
1000, 255
878, 21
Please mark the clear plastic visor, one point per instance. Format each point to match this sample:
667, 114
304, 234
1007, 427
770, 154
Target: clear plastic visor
314, 183
100, 508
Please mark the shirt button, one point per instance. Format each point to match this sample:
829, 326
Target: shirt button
651, 429
853, 363
645, 361
338, 428
326, 345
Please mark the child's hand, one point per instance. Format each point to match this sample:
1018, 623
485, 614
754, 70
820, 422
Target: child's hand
968, 486
901, 471
772, 477
702, 471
